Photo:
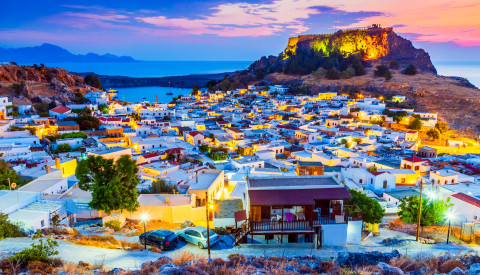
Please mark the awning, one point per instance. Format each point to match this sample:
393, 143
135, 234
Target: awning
296, 196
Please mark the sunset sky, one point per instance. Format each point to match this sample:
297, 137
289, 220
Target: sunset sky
235, 30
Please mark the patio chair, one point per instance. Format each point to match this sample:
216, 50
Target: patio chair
300, 216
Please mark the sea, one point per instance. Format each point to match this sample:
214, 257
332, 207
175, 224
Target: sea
469, 70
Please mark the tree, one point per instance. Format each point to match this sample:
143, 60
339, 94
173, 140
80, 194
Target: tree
433, 212
442, 127
80, 98
103, 108
410, 70
388, 75
86, 122
394, 64
55, 219
333, 74
161, 187
372, 169
9, 229
134, 116
433, 134
7, 173
196, 90
113, 184
371, 209
415, 124
210, 84
382, 71
93, 81
397, 119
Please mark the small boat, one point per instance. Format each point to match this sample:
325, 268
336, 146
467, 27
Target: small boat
169, 93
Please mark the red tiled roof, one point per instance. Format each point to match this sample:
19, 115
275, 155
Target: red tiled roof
60, 109
412, 132
174, 150
468, 199
151, 155
415, 159
194, 133
287, 127
378, 173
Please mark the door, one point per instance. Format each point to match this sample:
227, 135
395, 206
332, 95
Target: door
266, 212
256, 213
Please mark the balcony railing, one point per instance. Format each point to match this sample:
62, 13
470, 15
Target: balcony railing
281, 226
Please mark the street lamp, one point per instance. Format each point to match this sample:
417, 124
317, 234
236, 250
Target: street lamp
450, 217
144, 219
208, 207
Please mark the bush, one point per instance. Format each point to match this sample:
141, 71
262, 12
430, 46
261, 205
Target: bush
41, 251
382, 71
9, 229
410, 70
113, 224
333, 74
394, 64
220, 230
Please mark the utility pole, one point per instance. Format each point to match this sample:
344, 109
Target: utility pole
419, 212
208, 224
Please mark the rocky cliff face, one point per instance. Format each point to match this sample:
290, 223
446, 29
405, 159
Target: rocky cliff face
374, 45
29, 84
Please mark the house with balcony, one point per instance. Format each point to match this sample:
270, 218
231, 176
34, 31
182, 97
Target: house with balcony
295, 209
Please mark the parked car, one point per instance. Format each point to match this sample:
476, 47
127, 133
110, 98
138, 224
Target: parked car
198, 236
161, 238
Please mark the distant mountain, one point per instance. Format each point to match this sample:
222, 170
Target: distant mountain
46, 53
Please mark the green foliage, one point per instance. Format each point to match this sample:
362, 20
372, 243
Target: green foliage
372, 169
161, 187
93, 81
220, 230
388, 76
195, 90
215, 153
113, 185
41, 108
433, 134
433, 212
55, 219
67, 135
343, 141
410, 70
210, 84
86, 122
7, 173
17, 87
405, 105
166, 118
394, 64
62, 148
80, 99
442, 127
41, 251
333, 74
84, 111
9, 229
103, 108
14, 112
227, 85
389, 113
415, 124
382, 71
113, 224
372, 211
134, 116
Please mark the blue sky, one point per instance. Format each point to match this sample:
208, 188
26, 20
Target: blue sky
233, 30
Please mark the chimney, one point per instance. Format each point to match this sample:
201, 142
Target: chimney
47, 168
196, 176
57, 163
167, 201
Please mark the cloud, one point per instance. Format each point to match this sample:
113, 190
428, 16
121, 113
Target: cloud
424, 20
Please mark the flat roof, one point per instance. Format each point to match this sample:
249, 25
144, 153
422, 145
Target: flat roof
204, 181
161, 200
40, 185
297, 181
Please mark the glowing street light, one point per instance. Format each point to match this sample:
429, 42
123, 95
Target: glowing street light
144, 219
450, 216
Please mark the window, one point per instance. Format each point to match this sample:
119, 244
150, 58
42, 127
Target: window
361, 181
371, 181
384, 184
42, 223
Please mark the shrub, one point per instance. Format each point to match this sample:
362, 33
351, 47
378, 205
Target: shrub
394, 64
333, 74
410, 70
41, 251
113, 224
9, 229
186, 256
220, 230
37, 267
449, 265
382, 71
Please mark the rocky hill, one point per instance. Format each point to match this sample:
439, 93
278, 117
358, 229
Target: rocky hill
371, 45
35, 84
353, 56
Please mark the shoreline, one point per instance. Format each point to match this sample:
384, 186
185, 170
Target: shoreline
181, 81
